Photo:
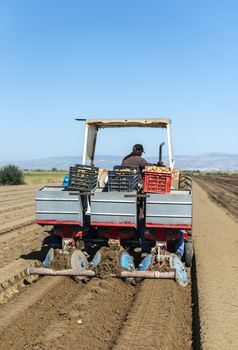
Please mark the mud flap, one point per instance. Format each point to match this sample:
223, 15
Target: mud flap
188, 254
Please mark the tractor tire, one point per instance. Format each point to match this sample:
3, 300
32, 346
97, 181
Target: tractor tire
185, 182
188, 254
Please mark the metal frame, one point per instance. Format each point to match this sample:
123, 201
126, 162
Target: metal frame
92, 127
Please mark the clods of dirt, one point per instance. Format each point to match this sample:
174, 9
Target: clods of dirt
163, 266
109, 263
61, 260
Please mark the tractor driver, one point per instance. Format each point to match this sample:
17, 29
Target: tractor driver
135, 157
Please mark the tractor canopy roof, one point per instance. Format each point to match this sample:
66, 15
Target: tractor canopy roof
93, 125
120, 123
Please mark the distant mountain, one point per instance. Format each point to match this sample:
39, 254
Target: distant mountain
207, 161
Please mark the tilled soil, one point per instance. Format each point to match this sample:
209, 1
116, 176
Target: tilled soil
64, 314
26, 242
159, 319
216, 243
223, 190
19, 236
60, 313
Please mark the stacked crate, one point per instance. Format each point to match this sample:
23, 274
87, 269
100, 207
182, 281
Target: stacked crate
157, 179
82, 178
123, 179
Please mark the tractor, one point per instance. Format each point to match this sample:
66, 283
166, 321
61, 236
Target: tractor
102, 218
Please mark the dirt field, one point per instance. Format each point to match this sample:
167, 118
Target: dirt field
19, 235
59, 313
216, 242
223, 190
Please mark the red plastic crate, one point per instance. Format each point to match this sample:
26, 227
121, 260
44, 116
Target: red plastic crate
157, 182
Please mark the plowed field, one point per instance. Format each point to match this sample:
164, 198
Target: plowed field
20, 237
223, 190
216, 242
60, 313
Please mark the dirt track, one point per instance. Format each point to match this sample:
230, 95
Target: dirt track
223, 190
216, 243
110, 314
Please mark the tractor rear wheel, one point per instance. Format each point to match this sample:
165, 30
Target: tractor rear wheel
185, 181
188, 253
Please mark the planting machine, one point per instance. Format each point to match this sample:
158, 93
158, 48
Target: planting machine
102, 219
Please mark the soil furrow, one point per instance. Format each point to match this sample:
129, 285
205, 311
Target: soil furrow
9, 226
224, 197
12, 199
9, 218
65, 314
16, 206
161, 317
27, 242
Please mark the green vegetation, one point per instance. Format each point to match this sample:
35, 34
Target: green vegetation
11, 175
44, 177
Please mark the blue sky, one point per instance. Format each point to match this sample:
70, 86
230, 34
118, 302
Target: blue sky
60, 60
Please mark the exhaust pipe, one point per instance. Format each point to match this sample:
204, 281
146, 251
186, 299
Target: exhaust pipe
160, 153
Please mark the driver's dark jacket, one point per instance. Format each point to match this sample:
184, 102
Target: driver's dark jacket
134, 160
